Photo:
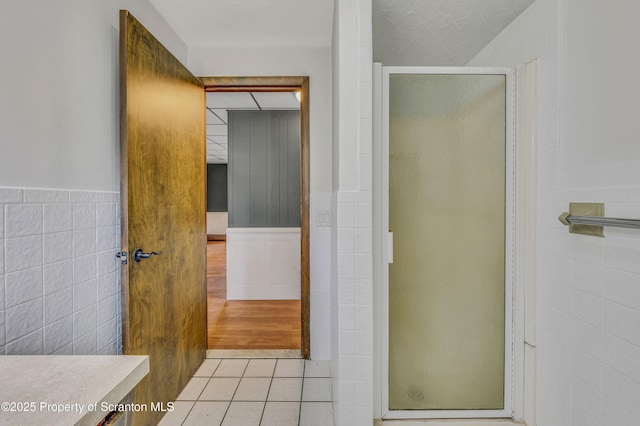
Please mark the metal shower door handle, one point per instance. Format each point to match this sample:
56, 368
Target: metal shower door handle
138, 255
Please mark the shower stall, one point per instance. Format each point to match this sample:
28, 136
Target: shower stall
445, 185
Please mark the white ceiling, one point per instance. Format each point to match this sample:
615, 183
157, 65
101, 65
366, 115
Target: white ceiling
249, 23
438, 32
218, 103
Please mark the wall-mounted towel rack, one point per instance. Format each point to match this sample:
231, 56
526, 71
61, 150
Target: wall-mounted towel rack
569, 219
589, 219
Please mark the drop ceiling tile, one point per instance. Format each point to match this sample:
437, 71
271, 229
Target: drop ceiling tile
212, 118
222, 113
230, 100
277, 100
216, 130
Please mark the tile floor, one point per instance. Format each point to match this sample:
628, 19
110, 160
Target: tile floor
256, 392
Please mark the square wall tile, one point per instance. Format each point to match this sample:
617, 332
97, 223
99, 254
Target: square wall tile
10, 195
58, 276
23, 253
84, 268
57, 247
1, 255
46, 196
58, 305
22, 220
23, 319
84, 322
23, 286
30, 344
2, 329
58, 335
84, 216
85, 345
107, 333
58, 218
84, 242
85, 294
105, 214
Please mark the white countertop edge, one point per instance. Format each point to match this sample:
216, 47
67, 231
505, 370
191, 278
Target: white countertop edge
118, 393
66, 379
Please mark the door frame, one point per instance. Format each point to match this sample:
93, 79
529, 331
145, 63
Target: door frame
513, 330
285, 84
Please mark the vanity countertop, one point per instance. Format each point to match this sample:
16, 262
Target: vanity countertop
59, 389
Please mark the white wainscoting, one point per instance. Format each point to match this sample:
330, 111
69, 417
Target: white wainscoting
217, 223
263, 263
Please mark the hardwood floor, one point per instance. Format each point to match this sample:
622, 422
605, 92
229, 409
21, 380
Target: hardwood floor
246, 324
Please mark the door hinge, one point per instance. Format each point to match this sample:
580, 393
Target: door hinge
122, 255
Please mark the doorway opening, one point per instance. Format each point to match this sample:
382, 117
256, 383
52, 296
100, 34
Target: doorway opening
258, 230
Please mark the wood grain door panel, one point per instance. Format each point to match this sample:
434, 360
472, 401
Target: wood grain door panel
163, 209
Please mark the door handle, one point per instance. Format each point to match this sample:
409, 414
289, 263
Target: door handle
138, 255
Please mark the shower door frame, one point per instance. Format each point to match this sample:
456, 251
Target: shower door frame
510, 243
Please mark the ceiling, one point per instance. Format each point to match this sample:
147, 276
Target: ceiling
249, 23
438, 32
405, 32
218, 103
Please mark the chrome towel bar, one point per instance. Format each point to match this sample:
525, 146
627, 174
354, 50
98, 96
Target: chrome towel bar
569, 219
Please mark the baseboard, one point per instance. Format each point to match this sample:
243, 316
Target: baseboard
254, 353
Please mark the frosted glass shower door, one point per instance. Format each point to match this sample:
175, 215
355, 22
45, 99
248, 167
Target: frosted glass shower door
448, 211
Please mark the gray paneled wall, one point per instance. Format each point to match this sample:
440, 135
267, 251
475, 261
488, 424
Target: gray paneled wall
217, 187
264, 169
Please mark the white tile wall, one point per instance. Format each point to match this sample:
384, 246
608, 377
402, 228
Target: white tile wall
588, 303
352, 363
59, 284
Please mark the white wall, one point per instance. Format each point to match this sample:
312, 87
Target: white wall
588, 302
59, 110
352, 362
59, 127
314, 62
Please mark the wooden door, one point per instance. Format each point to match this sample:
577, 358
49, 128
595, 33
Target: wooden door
162, 120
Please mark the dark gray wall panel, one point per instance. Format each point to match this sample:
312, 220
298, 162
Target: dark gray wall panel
264, 169
216, 187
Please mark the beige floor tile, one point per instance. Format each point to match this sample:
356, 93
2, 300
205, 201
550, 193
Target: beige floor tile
243, 414
179, 413
220, 389
208, 413
317, 368
316, 389
285, 389
289, 368
252, 389
260, 368
231, 368
316, 414
192, 390
281, 414
207, 368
